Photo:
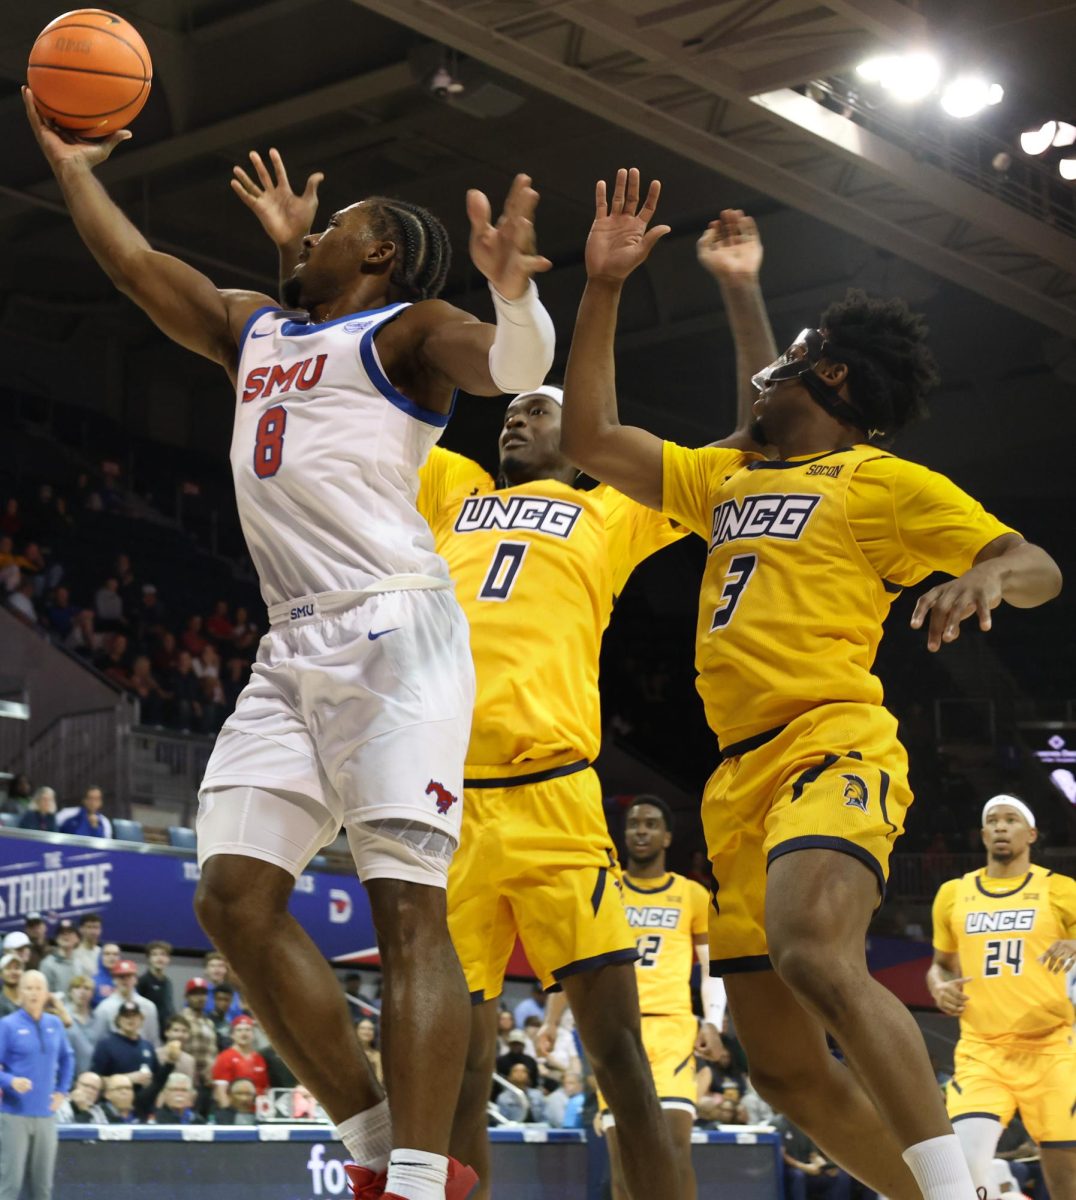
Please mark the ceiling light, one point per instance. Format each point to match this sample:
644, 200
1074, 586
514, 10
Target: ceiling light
1065, 135
1067, 168
996, 94
1038, 141
966, 95
907, 77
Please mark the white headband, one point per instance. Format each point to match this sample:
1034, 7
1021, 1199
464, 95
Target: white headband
555, 394
1012, 802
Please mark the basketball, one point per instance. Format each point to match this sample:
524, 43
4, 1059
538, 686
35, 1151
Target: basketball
90, 72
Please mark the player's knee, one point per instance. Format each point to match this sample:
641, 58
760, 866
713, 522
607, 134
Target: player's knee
819, 974
238, 897
406, 915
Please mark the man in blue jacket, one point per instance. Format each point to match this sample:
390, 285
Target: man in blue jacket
36, 1068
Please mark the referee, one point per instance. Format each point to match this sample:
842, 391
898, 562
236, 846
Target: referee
36, 1067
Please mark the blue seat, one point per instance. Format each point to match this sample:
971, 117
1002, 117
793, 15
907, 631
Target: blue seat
181, 838
127, 831
9, 820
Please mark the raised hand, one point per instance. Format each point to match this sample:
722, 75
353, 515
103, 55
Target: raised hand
976, 592
284, 215
619, 238
709, 1043
730, 248
506, 253
64, 149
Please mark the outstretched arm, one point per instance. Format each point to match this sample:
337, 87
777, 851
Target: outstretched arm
627, 457
731, 251
179, 300
1008, 569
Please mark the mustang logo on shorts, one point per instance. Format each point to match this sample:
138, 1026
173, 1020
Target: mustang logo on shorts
445, 799
855, 793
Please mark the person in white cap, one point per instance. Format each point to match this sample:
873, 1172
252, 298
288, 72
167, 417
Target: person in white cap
18, 943
1004, 936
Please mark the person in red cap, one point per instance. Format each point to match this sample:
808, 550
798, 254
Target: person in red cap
240, 1061
124, 978
202, 1044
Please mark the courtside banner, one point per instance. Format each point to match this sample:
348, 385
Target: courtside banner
146, 892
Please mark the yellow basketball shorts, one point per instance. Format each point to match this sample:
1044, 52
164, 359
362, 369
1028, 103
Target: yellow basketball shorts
669, 1042
1040, 1081
535, 860
834, 778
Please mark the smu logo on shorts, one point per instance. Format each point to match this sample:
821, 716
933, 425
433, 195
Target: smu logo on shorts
536, 513
855, 793
1009, 920
777, 516
301, 375
652, 918
444, 797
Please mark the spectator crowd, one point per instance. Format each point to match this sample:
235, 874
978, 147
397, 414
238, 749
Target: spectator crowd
144, 1051
185, 669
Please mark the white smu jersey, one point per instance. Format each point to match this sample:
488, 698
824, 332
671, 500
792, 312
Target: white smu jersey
325, 457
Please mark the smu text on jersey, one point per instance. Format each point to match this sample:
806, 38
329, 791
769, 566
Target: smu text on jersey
300, 375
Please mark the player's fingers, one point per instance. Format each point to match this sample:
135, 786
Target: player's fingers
246, 182
748, 227
653, 236
310, 192
601, 208
478, 210
514, 202
616, 206
962, 608
248, 199
653, 194
279, 169
261, 170
631, 194
923, 606
983, 609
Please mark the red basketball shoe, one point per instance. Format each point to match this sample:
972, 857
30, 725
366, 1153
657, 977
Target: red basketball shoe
370, 1185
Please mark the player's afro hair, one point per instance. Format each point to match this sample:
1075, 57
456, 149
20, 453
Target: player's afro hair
660, 805
423, 251
890, 367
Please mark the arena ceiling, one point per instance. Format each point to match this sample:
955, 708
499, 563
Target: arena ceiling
700, 92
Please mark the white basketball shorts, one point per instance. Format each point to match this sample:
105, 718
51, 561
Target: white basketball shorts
357, 715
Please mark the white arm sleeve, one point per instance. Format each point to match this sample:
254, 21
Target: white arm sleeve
522, 350
712, 988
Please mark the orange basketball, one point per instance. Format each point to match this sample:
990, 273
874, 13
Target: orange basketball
90, 72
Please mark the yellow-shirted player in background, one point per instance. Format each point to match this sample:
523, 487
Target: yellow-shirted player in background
805, 554
670, 917
1004, 936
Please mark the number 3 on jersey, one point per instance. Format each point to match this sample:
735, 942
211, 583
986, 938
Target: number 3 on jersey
269, 443
501, 576
736, 579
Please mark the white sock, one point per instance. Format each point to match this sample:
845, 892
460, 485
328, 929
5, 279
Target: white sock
940, 1169
417, 1175
368, 1136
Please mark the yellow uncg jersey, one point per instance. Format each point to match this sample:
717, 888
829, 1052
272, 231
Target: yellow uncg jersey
999, 928
805, 558
537, 568
667, 915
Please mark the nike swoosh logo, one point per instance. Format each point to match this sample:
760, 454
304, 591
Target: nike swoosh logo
374, 636
270, 333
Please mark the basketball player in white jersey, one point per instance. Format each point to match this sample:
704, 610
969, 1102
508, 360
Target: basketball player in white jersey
358, 710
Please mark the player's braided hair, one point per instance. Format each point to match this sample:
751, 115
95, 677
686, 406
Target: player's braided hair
890, 367
423, 252
660, 805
